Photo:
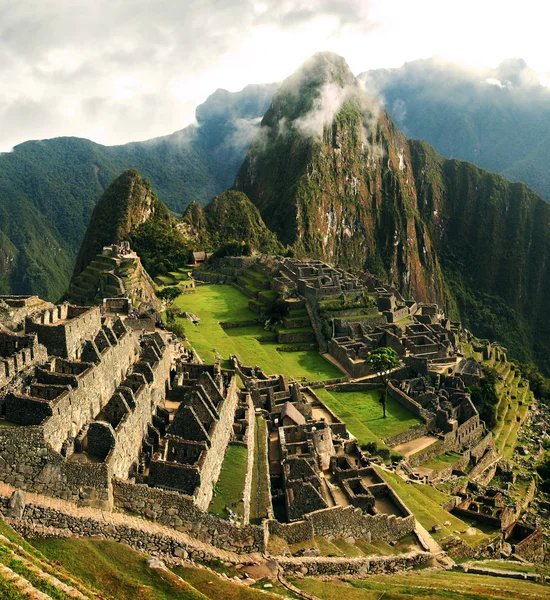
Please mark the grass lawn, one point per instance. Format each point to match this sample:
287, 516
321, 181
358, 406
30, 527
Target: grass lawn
215, 588
442, 461
218, 303
115, 569
424, 502
362, 413
423, 584
228, 491
259, 500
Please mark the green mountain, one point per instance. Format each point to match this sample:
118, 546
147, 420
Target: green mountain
130, 210
230, 218
336, 179
496, 118
331, 175
48, 188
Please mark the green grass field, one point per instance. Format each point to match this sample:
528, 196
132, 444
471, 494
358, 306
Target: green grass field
218, 303
429, 585
424, 501
442, 461
228, 491
115, 569
362, 413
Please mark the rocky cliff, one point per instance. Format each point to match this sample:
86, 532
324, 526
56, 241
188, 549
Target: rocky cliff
332, 175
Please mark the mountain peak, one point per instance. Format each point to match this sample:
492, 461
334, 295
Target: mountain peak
125, 205
306, 88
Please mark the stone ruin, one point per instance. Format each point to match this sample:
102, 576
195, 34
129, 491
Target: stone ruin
79, 414
196, 431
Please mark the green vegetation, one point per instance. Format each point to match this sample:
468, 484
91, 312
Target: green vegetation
382, 361
440, 585
425, 502
215, 588
513, 400
362, 413
259, 495
229, 219
113, 568
485, 397
221, 303
339, 547
543, 470
442, 461
228, 491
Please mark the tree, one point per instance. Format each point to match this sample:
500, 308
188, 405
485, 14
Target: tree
382, 361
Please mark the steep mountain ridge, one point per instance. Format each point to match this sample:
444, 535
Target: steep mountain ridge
357, 193
48, 188
129, 210
230, 218
331, 175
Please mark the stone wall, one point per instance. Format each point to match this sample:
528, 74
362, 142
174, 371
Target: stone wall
295, 337
133, 427
211, 467
354, 567
180, 512
412, 433
407, 402
346, 522
64, 328
28, 462
96, 385
250, 438
18, 353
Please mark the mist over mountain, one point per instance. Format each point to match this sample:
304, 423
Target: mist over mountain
48, 188
497, 118
332, 175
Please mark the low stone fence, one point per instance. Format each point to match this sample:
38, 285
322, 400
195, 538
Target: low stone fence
437, 448
354, 567
295, 337
326, 382
412, 433
346, 522
235, 324
178, 511
363, 386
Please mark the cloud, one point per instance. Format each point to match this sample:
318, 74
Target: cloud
133, 69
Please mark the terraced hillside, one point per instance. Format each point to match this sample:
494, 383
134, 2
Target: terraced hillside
109, 277
26, 573
515, 397
243, 332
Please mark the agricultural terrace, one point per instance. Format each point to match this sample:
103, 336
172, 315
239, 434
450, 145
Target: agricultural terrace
363, 415
228, 492
514, 399
223, 303
440, 585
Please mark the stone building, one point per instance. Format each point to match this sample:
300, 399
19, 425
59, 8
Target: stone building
84, 406
188, 458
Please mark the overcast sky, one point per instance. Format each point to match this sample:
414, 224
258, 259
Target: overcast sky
122, 70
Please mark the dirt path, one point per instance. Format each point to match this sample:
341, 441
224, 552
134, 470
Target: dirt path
414, 446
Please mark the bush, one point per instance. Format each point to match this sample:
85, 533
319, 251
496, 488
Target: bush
169, 293
485, 398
